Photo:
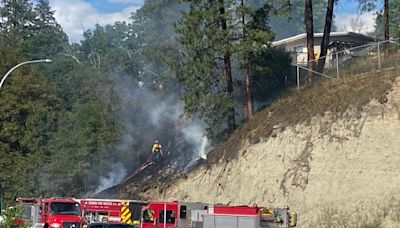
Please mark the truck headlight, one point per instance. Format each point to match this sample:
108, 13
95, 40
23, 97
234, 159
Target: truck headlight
55, 225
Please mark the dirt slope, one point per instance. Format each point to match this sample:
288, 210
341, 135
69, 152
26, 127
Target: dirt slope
335, 169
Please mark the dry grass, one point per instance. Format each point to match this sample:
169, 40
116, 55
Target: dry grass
384, 215
353, 90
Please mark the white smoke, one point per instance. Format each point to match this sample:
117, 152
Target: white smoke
148, 114
195, 133
166, 110
112, 178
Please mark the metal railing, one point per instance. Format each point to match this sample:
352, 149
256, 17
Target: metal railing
342, 61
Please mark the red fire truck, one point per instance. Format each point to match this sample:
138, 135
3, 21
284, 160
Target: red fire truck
50, 212
111, 210
200, 215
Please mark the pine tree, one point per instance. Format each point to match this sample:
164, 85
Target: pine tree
155, 39
28, 110
227, 52
49, 40
255, 36
206, 71
18, 20
309, 22
386, 25
325, 39
110, 46
287, 17
44, 15
369, 5
394, 21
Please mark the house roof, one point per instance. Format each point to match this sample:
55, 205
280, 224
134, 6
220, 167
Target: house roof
320, 35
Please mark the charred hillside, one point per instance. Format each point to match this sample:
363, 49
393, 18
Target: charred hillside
150, 176
328, 148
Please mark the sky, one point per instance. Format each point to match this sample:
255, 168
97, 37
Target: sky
76, 16
349, 18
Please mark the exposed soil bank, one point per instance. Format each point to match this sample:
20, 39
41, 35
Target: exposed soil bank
334, 170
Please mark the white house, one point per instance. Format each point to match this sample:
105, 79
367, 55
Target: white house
297, 45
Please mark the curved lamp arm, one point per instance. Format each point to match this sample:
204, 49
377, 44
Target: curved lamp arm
23, 63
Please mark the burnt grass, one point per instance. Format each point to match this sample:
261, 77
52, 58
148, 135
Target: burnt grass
156, 176
353, 90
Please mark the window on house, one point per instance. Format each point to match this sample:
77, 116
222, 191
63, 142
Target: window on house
299, 49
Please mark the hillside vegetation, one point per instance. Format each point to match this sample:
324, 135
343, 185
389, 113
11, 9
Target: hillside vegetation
81, 123
329, 151
184, 73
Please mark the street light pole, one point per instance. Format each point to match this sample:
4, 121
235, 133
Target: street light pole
23, 63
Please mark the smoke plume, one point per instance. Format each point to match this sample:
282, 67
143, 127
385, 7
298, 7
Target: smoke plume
148, 112
194, 133
112, 178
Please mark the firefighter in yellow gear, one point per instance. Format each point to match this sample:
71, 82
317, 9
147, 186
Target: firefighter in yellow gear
148, 215
156, 151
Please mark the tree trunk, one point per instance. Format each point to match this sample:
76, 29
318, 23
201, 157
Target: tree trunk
229, 82
227, 68
249, 97
248, 113
326, 36
308, 14
386, 22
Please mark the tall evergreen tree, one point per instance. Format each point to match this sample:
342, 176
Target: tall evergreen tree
325, 38
369, 5
223, 17
245, 66
288, 19
309, 24
44, 15
108, 46
17, 21
386, 25
203, 33
27, 119
155, 39
213, 39
394, 21
255, 36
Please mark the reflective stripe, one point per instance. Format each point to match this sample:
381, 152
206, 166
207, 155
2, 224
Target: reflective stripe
125, 212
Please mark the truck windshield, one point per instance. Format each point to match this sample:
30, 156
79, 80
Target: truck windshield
27, 213
65, 208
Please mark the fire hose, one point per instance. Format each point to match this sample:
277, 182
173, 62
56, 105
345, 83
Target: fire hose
140, 168
144, 165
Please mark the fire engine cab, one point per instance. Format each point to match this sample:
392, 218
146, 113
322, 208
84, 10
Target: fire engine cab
50, 212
